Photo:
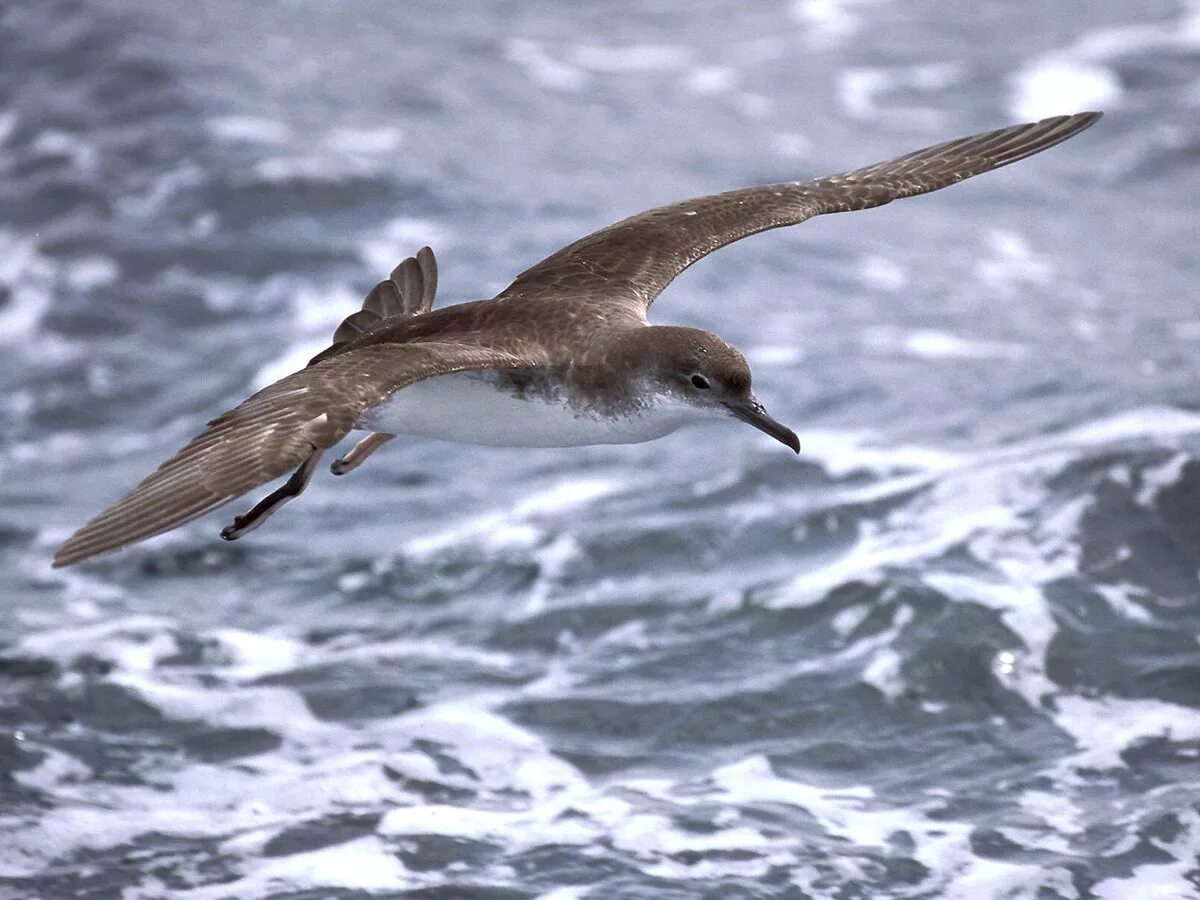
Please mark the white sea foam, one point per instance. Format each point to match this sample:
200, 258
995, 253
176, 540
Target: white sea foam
852, 814
843, 452
89, 272
81, 153
1161, 423
775, 355
337, 154
1052, 86
315, 313
882, 273
401, 237
1009, 263
1084, 75
366, 141
710, 79
1105, 727
632, 58
862, 92
832, 21
929, 343
1161, 879
250, 129
544, 69
293, 360
515, 527
8, 124
131, 643
248, 655
365, 864
28, 276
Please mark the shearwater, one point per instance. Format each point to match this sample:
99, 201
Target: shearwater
562, 357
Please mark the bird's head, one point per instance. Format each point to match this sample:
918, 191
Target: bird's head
710, 375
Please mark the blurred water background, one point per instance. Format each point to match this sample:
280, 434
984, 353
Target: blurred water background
951, 651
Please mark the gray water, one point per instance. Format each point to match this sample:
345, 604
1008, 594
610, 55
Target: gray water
950, 651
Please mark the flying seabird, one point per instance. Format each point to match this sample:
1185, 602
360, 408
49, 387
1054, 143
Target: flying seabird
564, 356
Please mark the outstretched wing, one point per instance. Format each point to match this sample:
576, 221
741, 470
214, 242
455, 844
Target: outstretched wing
632, 261
271, 433
408, 291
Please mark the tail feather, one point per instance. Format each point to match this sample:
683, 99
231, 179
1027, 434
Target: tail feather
408, 291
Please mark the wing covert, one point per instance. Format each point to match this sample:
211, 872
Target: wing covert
632, 261
271, 433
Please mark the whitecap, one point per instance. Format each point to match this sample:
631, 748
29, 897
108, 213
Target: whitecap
832, 21
363, 864
882, 273
1084, 74
514, 527
1053, 86
89, 272
53, 142
398, 238
933, 344
249, 129
631, 58
861, 91
1009, 262
1105, 727
28, 277
542, 68
707, 80
1161, 879
367, 141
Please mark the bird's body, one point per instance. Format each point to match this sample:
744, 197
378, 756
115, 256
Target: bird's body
563, 357
498, 408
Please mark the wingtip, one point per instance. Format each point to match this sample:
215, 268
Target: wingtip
1079, 120
76, 549
66, 556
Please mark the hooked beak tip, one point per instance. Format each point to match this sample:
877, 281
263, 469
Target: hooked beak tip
753, 413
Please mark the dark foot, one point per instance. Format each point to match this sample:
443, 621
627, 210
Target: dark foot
236, 530
264, 508
359, 453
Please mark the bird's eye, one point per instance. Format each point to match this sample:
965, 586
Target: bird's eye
699, 381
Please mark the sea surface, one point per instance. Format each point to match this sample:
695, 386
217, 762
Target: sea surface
949, 651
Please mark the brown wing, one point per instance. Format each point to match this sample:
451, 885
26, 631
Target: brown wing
408, 291
633, 260
271, 433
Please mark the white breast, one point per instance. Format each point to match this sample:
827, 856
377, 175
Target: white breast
476, 408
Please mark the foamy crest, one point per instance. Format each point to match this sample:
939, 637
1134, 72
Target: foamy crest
1054, 85
1161, 879
28, 278
632, 58
1084, 74
400, 237
518, 527
832, 21
1010, 263
929, 343
249, 129
544, 69
862, 92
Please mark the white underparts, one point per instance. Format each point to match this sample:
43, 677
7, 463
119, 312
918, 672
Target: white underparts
484, 408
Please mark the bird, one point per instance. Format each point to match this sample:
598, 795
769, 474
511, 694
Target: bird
564, 356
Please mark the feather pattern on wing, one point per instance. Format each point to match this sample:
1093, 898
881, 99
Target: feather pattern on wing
273, 432
632, 261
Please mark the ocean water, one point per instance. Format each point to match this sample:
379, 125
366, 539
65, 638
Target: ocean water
952, 650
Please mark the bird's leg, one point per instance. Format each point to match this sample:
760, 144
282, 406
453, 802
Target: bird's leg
264, 508
359, 454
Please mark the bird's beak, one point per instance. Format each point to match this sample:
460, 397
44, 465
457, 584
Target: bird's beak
751, 412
